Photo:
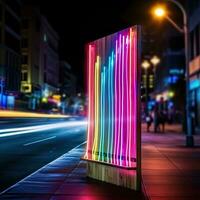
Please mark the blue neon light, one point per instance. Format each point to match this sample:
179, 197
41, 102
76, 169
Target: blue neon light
194, 84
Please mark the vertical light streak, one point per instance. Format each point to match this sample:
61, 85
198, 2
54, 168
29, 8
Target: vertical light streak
109, 110
127, 102
102, 116
92, 98
112, 106
116, 103
104, 109
95, 113
122, 103
95, 149
98, 75
130, 97
89, 101
135, 89
119, 101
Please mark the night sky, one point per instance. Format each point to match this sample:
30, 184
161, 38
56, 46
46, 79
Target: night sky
80, 21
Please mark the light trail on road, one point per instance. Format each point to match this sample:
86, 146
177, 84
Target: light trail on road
32, 129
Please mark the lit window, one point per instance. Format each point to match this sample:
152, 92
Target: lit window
45, 38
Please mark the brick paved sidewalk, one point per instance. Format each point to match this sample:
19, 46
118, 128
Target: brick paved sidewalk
170, 170
65, 179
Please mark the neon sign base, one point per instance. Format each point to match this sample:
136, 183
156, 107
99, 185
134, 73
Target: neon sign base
120, 176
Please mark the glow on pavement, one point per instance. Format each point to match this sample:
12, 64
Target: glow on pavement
32, 129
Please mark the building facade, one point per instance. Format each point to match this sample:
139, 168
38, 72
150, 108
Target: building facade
10, 58
67, 80
194, 66
40, 60
169, 89
149, 50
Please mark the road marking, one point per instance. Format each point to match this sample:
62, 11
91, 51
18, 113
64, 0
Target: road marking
38, 141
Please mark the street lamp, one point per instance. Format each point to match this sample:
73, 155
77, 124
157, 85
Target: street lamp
160, 12
155, 60
145, 66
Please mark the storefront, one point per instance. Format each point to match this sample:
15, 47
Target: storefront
195, 100
194, 70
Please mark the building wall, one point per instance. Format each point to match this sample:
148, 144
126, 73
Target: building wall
10, 59
40, 53
67, 80
194, 67
170, 84
30, 50
49, 57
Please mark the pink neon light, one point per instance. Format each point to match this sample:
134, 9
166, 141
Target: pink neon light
116, 106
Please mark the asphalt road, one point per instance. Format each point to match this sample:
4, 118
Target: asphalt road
28, 144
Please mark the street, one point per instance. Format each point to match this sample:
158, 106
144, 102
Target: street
28, 144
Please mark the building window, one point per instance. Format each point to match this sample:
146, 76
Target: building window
25, 59
37, 24
12, 42
45, 37
192, 45
15, 6
197, 36
45, 62
45, 77
1, 13
12, 22
25, 88
24, 43
25, 23
24, 76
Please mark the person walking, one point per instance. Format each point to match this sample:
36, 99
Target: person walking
162, 120
156, 120
149, 120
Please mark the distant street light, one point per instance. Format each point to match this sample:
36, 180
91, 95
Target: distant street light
160, 12
146, 65
155, 60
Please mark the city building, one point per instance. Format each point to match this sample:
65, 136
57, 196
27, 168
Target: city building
149, 50
67, 80
68, 88
170, 83
194, 66
40, 60
10, 58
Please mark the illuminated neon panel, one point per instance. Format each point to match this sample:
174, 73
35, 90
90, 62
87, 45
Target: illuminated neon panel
113, 98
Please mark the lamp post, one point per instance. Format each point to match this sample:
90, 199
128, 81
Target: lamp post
145, 66
161, 12
155, 60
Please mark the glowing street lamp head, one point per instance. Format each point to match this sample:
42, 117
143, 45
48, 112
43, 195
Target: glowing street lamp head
155, 60
159, 12
145, 64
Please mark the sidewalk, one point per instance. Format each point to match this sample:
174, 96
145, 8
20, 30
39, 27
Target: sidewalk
65, 179
170, 171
